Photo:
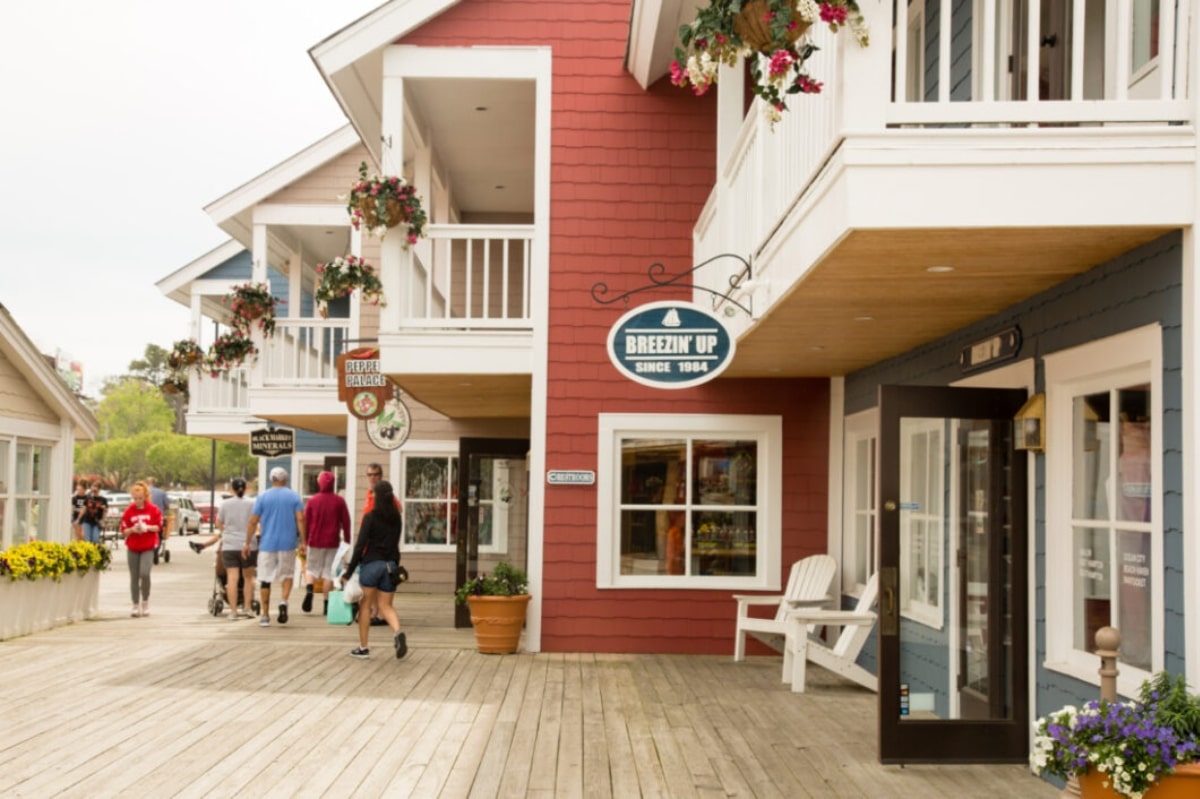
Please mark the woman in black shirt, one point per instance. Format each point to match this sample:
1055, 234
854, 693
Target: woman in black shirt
377, 552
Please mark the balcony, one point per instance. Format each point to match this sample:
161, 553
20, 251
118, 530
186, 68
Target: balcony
1004, 183
295, 380
463, 319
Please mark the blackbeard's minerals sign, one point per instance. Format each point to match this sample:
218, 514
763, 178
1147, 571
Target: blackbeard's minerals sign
670, 345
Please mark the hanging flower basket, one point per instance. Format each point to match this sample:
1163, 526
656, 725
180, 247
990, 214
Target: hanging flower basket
341, 277
381, 203
725, 31
250, 303
229, 351
184, 353
753, 26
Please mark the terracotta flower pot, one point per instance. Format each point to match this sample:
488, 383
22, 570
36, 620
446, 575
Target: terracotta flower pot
1183, 784
752, 27
497, 621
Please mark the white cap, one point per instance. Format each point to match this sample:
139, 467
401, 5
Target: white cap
279, 475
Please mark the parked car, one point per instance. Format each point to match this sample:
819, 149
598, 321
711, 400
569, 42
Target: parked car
118, 501
203, 502
187, 517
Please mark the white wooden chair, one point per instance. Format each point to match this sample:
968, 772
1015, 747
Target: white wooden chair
808, 586
840, 658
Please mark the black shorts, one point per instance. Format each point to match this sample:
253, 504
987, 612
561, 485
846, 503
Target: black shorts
234, 559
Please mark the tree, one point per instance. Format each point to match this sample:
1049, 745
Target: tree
152, 367
120, 461
131, 407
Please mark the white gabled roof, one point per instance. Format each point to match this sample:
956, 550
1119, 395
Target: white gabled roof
32, 365
351, 62
284, 174
177, 285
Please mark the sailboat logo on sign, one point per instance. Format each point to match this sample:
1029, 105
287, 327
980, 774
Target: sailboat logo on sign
670, 345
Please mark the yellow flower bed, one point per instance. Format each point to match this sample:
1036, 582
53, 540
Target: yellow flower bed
47, 559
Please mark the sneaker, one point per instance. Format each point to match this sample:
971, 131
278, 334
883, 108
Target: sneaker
306, 605
196, 547
137, 611
235, 616
264, 621
283, 613
361, 653
401, 646
145, 608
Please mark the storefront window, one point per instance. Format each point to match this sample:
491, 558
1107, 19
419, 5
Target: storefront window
31, 482
1103, 495
430, 500
689, 507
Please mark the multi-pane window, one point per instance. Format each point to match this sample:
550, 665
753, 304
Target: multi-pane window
1111, 519
27, 496
1104, 519
688, 506
858, 491
430, 500
921, 518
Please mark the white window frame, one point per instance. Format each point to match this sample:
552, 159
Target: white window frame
930, 615
859, 427
449, 450
1103, 365
766, 431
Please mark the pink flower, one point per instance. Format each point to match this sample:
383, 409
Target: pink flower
808, 85
679, 75
412, 238
780, 63
833, 14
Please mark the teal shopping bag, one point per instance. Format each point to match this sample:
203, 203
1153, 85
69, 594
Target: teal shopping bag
339, 611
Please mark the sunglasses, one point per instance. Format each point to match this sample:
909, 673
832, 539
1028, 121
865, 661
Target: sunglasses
374, 474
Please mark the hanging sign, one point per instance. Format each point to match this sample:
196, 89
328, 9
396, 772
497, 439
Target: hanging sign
361, 383
670, 345
272, 442
390, 429
1003, 346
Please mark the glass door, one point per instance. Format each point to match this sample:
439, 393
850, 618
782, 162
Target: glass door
493, 509
953, 596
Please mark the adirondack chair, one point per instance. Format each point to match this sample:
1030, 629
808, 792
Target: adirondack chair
808, 586
840, 658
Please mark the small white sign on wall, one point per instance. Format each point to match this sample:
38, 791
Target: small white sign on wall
577, 477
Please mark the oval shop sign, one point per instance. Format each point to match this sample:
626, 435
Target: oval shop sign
670, 345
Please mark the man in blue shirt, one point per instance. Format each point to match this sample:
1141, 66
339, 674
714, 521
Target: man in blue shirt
278, 522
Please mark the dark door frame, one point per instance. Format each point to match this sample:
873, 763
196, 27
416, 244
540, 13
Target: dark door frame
466, 561
937, 740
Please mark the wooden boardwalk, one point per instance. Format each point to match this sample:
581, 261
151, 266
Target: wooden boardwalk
185, 704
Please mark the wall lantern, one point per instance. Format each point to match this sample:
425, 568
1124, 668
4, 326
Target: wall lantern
1031, 424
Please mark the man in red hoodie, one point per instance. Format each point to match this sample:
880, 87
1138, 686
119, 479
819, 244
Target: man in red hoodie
327, 521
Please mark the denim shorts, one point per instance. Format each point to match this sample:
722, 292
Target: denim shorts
375, 575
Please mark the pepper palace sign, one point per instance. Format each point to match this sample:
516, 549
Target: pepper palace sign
361, 384
670, 345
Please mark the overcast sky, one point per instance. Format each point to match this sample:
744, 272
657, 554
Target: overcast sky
119, 121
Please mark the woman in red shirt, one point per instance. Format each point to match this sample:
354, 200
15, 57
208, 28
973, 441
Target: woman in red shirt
140, 525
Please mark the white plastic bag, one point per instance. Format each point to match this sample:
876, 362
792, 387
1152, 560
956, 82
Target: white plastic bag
352, 591
341, 559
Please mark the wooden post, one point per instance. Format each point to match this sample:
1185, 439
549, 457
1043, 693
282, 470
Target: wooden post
1108, 647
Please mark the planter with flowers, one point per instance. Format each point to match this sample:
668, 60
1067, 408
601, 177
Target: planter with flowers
1143, 749
726, 31
228, 351
250, 303
381, 203
341, 277
44, 584
497, 602
185, 353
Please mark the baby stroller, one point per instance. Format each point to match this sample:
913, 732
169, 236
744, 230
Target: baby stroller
216, 602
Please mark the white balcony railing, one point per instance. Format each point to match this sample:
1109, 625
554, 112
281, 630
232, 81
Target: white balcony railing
1111, 66
468, 277
303, 352
225, 393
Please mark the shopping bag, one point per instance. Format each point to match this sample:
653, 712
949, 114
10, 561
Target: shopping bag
340, 611
352, 591
340, 559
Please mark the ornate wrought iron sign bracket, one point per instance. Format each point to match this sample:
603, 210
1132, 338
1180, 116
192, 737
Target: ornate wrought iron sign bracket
656, 274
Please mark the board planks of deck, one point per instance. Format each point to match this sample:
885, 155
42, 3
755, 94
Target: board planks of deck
183, 704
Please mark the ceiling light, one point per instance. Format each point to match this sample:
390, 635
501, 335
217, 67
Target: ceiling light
864, 319
939, 269
816, 348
